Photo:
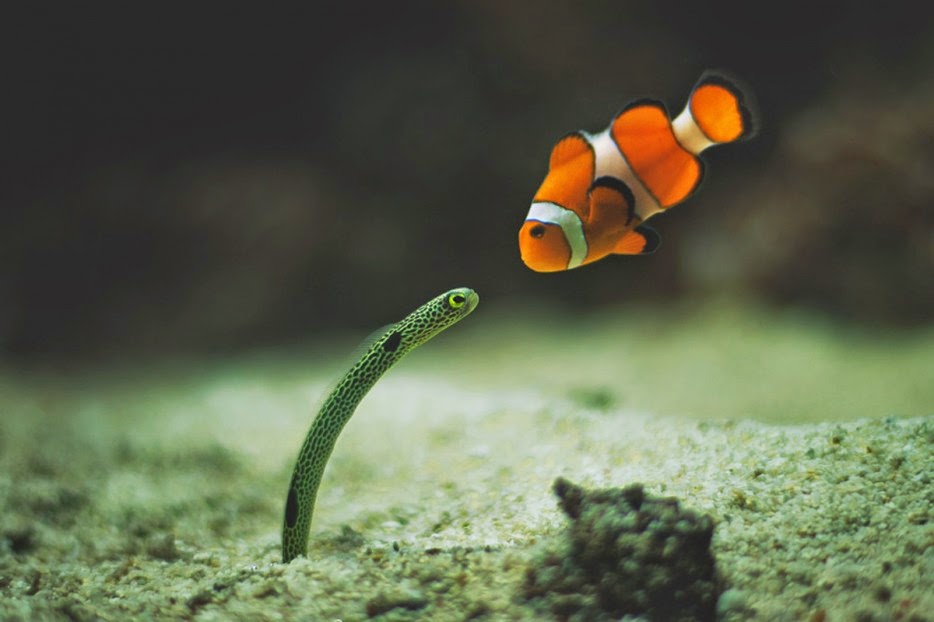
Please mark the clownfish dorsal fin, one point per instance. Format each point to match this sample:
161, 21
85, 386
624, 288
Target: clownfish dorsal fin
567, 148
643, 240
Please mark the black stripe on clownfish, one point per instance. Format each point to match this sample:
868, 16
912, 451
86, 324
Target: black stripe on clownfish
643, 101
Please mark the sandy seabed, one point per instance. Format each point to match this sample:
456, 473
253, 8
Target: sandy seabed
161, 497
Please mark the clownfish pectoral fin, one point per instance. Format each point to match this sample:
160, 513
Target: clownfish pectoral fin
719, 111
642, 240
568, 148
610, 197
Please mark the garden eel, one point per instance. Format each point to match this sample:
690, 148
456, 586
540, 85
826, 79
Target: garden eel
395, 342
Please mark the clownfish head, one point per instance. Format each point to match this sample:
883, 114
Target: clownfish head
543, 246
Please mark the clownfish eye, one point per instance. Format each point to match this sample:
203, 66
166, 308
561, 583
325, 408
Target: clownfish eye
456, 301
537, 231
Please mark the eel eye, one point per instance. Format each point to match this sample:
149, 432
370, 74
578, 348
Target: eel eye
537, 231
456, 301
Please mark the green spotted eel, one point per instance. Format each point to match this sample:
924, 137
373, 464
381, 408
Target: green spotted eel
395, 342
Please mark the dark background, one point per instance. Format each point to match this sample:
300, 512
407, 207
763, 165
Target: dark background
213, 179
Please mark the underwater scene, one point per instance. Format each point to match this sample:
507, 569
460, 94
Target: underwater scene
468, 311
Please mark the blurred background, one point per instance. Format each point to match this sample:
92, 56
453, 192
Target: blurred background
214, 180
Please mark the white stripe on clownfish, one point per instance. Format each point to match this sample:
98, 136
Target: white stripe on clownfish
689, 134
571, 226
609, 161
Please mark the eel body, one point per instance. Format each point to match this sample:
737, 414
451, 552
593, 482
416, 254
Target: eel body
385, 351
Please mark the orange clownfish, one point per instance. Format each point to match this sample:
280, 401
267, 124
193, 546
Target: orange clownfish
601, 188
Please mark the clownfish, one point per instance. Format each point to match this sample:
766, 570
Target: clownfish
601, 188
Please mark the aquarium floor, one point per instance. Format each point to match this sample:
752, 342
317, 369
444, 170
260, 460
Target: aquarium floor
158, 493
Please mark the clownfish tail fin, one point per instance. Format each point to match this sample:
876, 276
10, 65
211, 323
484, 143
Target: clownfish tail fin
718, 111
